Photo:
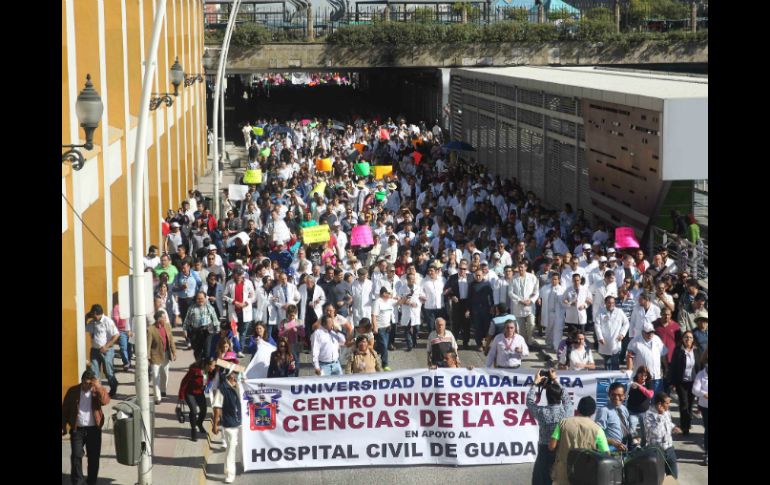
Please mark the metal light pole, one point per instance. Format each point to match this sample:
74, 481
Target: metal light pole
138, 310
217, 94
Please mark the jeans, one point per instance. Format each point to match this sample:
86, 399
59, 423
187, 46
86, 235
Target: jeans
105, 359
330, 368
671, 466
526, 327
91, 438
410, 335
197, 405
541, 473
637, 419
431, 316
184, 304
686, 398
658, 385
381, 342
231, 439
705, 414
160, 376
242, 327
611, 362
125, 348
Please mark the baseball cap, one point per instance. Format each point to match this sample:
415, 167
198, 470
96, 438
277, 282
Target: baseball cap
610, 250
603, 259
548, 253
612, 258
212, 247
702, 316
175, 224
586, 246
647, 328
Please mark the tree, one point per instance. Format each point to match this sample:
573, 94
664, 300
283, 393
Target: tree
519, 14
424, 15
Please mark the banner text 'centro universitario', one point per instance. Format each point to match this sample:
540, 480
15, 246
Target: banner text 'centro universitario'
444, 416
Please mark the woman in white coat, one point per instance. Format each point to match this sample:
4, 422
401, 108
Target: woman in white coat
552, 311
214, 291
245, 300
313, 293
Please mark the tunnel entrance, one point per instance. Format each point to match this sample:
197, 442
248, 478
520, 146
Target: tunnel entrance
386, 92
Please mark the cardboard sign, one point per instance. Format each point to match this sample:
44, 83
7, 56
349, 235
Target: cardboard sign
316, 234
237, 192
320, 188
361, 236
253, 176
323, 164
231, 366
359, 146
382, 170
362, 169
380, 195
624, 238
265, 152
417, 157
258, 130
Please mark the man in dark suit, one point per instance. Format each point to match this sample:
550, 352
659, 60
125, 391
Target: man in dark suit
480, 307
456, 291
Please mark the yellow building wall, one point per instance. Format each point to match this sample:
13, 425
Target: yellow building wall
106, 219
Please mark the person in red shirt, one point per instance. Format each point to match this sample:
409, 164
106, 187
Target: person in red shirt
191, 392
668, 331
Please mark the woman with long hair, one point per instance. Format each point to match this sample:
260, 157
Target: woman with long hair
684, 366
282, 363
640, 391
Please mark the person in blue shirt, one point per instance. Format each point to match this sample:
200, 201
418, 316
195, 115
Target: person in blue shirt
614, 420
186, 284
701, 333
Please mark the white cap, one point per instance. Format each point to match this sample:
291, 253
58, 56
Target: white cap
212, 247
648, 327
586, 246
610, 250
175, 224
612, 258
603, 259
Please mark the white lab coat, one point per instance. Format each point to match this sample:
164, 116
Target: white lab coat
572, 300
410, 312
553, 323
249, 297
608, 327
292, 298
318, 294
640, 316
600, 291
362, 299
526, 288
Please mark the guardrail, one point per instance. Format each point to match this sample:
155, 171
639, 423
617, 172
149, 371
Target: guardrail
692, 257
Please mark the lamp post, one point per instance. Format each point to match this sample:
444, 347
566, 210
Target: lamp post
177, 77
217, 95
138, 311
89, 109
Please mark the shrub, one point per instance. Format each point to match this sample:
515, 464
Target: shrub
250, 34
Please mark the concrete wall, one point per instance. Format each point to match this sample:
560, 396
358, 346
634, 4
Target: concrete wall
328, 56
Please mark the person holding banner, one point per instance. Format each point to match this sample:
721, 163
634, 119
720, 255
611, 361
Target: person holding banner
363, 360
227, 412
325, 343
382, 318
548, 417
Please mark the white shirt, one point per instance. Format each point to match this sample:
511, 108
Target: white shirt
608, 327
85, 410
640, 316
151, 262
574, 299
648, 354
383, 310
326, 346
362, 299
502, 351
689, 365
462, 285
701, 387
434, 290
101, 331
584, 356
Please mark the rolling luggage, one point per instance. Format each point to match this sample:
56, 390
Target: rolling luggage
645, 467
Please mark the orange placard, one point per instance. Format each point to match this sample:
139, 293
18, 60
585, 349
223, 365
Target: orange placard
382, 170
323, 164
359, 146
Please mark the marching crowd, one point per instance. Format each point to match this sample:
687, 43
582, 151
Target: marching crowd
454, 251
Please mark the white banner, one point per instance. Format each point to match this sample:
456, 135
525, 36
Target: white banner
411, 417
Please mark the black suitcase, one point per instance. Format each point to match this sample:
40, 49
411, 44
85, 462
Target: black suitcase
589, 467
645, 467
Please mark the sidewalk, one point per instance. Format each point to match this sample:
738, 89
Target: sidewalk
176, 459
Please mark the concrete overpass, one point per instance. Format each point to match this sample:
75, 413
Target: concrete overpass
304, 56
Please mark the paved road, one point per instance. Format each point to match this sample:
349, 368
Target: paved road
691, 472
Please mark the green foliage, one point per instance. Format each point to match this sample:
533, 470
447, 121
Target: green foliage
246, 35
519, 14
214, 36
586, 30
424, 15
561, 14
598, 13
657, 9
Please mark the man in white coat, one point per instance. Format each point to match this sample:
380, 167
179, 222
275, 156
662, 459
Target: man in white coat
611, 326
601, 289
576, 300
553, 312
362, 292
284, 294
411, 297
644, 312
240, 295
310, 291
523, 291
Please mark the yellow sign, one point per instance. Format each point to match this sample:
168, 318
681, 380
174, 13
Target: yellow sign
382, 170
252, 177
315, 234
320, 188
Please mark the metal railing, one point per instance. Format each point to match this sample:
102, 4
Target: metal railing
693, 258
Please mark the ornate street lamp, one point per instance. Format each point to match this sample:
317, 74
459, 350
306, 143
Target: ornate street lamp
89, 109
177, 77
